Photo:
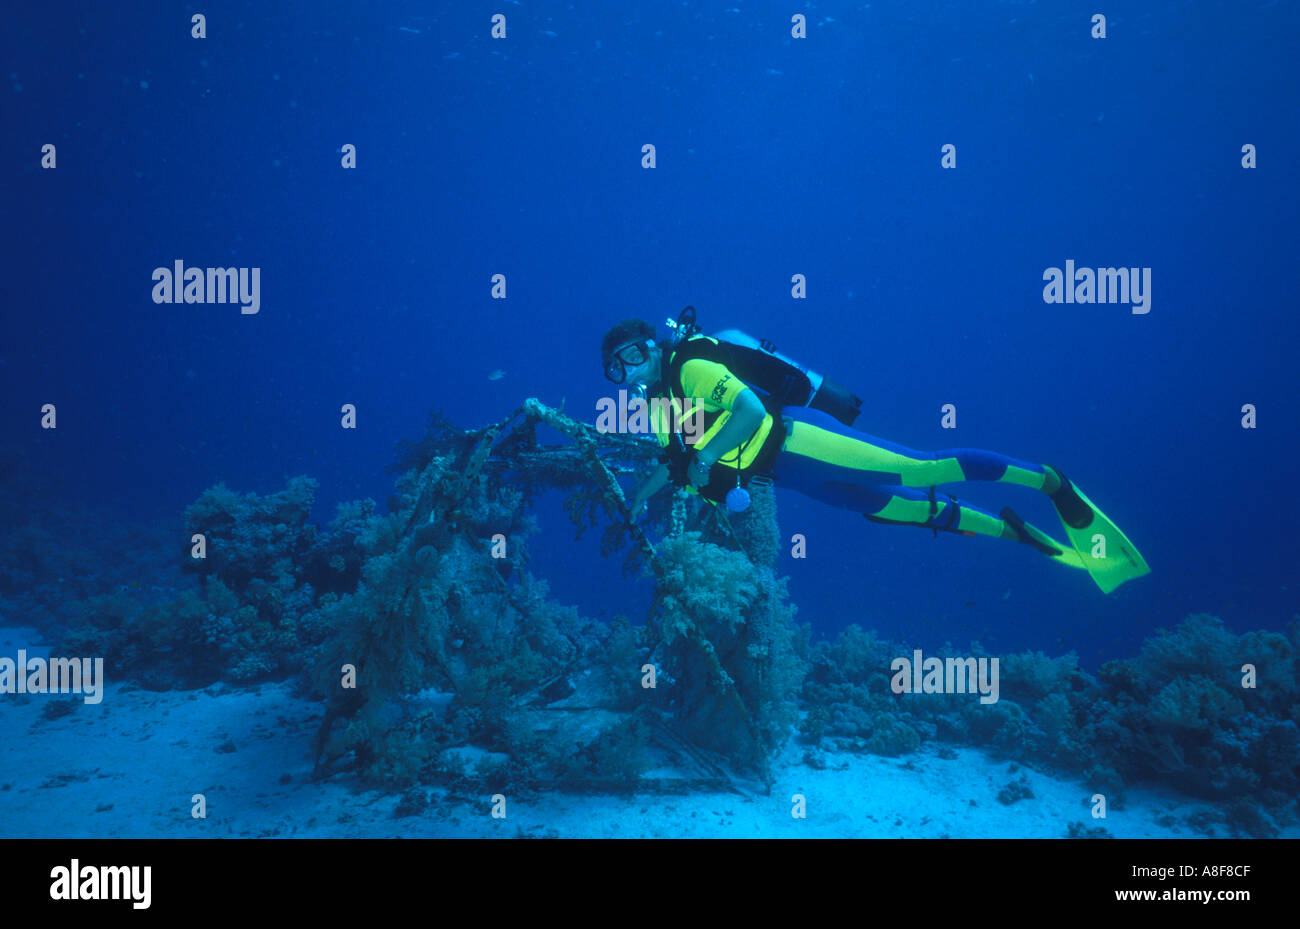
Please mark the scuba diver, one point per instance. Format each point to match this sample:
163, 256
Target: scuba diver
768, 419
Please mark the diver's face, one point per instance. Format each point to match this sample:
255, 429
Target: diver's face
634, 363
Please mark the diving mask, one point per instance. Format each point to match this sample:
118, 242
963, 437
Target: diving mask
629, 356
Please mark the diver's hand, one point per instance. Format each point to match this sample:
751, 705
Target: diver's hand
637, 505
697, 472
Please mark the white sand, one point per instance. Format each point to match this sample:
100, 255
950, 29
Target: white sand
129, 766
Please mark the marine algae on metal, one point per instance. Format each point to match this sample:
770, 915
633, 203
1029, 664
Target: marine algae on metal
465, 670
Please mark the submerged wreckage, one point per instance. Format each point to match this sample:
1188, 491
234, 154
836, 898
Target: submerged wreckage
462, 668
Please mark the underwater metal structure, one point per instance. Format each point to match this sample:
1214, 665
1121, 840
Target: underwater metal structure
707, 687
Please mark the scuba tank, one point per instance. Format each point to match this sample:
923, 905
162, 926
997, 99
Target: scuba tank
788, 382
785, 381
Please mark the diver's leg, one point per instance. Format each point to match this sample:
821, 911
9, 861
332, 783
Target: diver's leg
826, 462
814, 434
852, 489
914, 507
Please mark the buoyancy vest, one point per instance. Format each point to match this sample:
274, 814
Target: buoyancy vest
735, 467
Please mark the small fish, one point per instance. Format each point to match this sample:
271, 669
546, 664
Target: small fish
408, 29
496, 375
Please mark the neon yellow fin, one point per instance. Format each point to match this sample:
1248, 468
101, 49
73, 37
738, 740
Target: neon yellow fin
1104, 551
1065, 555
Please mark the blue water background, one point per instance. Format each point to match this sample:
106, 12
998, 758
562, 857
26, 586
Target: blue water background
775, 157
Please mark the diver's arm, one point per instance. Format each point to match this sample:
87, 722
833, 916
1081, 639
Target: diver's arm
746, 416
651, 487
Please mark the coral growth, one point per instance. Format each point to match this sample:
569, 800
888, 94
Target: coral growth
255, 612
729, 639
441, 657
1212, 712
1183, 712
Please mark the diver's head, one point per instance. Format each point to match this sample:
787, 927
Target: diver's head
630, 356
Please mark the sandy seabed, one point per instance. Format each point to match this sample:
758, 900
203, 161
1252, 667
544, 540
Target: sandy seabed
129, 766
